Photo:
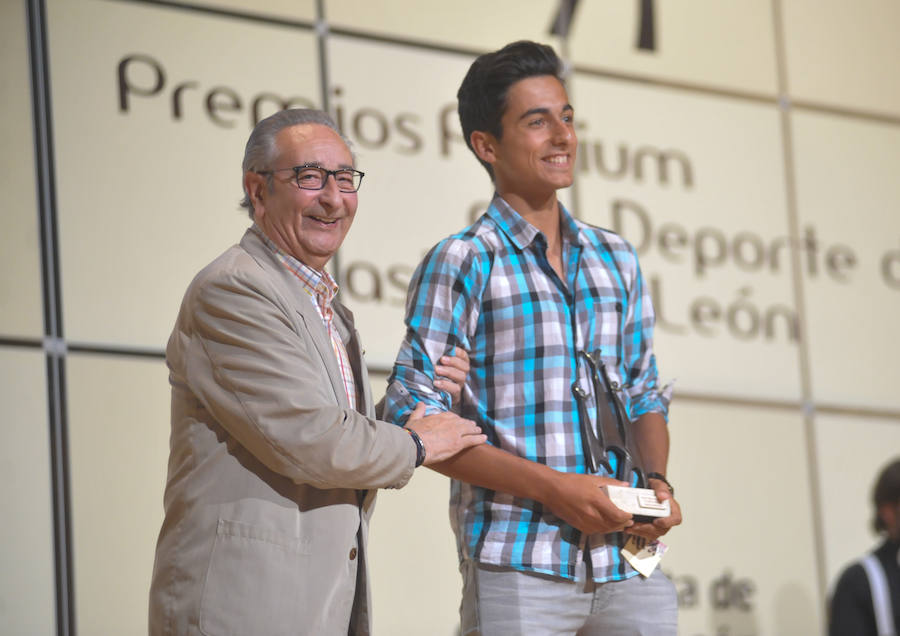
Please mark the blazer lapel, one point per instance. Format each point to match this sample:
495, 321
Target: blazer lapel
304, 307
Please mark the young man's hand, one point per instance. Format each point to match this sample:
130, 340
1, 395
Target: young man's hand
578, 500
451, 374
658, 527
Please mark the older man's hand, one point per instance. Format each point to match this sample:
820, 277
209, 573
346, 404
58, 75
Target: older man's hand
443, 434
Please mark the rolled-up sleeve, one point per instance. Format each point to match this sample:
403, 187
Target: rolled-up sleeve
441, 314
644, 392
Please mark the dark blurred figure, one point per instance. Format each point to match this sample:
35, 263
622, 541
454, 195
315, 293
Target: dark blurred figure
866, 598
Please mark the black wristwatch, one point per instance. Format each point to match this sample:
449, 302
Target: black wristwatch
420, 447
663, 479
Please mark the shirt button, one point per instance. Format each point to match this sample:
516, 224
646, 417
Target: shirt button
352, 553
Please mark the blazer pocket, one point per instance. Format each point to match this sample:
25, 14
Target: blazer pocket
255, 581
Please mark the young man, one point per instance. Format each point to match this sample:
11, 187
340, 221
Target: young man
526, 290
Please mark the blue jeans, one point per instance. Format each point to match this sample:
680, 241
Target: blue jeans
499, 601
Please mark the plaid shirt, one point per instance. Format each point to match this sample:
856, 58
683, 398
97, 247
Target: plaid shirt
322, 289
491, 290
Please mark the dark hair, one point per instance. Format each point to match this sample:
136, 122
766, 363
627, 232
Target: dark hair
887, 490
482, 95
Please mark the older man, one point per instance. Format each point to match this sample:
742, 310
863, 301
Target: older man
275, 450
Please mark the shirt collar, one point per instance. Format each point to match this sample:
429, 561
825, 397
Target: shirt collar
318, 284
521, 232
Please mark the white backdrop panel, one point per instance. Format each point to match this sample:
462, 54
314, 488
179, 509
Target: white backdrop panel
843, 54
150, 125
848, 197
470, 24
20, 274
744, 560
119, 447
733, 50
280, 9
696, 184
27, 584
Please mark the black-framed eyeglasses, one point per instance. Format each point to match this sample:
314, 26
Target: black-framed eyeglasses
313, 177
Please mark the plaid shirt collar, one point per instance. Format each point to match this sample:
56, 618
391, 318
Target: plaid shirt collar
522, 233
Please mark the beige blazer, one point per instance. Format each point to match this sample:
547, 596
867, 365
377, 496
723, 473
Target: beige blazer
272, 472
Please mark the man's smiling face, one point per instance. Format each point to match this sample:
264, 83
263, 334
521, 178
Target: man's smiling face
536, 152
310, 225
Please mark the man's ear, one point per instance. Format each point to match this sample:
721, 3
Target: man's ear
257, 188
485, 146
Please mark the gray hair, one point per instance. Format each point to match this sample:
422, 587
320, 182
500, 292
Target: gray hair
261, 150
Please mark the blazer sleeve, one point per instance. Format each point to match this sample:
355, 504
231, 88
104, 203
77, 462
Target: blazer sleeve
248, 358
